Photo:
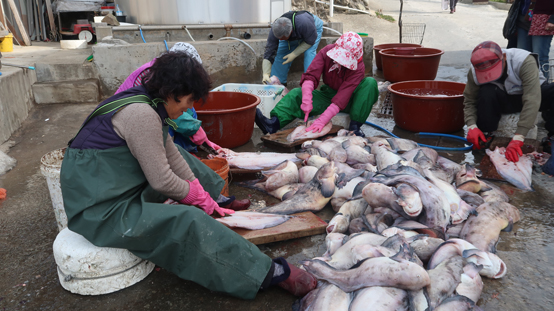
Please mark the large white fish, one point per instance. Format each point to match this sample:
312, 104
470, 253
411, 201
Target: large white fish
334, 241
283, 174
254, 160
253, 220
330, 297
471, 284
383, 156
380, 298
518, 173
492, 217
380, 271
300, 132
459, 209
444, 279
493, 266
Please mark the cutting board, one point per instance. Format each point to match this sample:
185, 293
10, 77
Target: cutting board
279, 140
301, 225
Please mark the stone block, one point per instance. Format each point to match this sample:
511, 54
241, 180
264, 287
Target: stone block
68, 92
342, 119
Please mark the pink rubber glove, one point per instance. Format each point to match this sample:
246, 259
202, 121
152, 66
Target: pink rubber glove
324, 118
200, 198
307, 98
200, 137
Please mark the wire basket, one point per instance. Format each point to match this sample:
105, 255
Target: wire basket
412, 33
383, 109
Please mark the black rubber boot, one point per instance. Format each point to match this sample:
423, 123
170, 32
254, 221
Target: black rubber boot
266, 125
356, 127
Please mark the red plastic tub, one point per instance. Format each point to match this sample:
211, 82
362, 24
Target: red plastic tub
423, 64
428, 106
380, 47
228, 117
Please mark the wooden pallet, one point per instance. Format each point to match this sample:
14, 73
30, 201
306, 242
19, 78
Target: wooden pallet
301, 225
279, 140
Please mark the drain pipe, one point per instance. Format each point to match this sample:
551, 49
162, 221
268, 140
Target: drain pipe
233, 38
332, 5
185, 27
333, 30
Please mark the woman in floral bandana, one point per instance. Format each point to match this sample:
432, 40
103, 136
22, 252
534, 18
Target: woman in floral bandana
345, 89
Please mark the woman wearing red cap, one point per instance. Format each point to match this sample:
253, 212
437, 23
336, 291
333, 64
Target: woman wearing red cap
503, 82
345, 89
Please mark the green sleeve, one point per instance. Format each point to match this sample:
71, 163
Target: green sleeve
529, 74
470, 100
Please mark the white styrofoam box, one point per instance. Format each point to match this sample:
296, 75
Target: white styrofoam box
508, 124
86, 269
73, 44
269, 95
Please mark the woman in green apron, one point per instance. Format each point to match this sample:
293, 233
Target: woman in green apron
121, 167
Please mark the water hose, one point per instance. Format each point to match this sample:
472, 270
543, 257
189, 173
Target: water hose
19, 66
466, 148
232, 38
141, 35
189, 34
166, 47
333, 30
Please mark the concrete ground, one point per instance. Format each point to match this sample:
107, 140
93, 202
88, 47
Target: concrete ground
28, 278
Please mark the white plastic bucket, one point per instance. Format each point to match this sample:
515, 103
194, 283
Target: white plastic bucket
86, 269
50, 165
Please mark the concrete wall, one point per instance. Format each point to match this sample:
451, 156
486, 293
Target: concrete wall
226, 61
16, 99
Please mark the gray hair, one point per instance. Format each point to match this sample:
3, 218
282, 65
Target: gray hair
282, 27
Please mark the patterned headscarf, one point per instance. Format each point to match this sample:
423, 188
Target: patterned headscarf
348, 50
187, 48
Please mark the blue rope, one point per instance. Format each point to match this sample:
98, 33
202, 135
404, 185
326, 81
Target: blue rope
466, 148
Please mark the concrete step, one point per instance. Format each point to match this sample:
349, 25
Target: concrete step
70, 65
67, 92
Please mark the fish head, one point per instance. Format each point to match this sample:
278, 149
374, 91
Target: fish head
493, 266
409, 199
338, 224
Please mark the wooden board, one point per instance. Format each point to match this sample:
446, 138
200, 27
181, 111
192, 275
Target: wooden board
301, 225
279, 140
488, 170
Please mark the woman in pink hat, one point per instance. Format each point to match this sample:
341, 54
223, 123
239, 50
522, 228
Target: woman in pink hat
345, 89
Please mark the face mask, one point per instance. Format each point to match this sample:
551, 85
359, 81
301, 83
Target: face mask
187, 125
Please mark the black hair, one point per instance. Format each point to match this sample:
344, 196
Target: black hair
177, 74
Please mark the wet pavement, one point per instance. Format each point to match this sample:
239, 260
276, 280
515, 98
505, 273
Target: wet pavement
28, 278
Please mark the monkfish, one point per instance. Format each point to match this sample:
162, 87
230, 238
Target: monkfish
300, 132
313, 196
516, 173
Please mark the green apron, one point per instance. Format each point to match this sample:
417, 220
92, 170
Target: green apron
359, 106
109, 201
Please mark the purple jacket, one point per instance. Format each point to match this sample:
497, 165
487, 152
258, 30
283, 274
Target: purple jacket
344, 82
130, 81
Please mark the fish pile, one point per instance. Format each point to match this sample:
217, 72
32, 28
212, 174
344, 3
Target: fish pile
412, 230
